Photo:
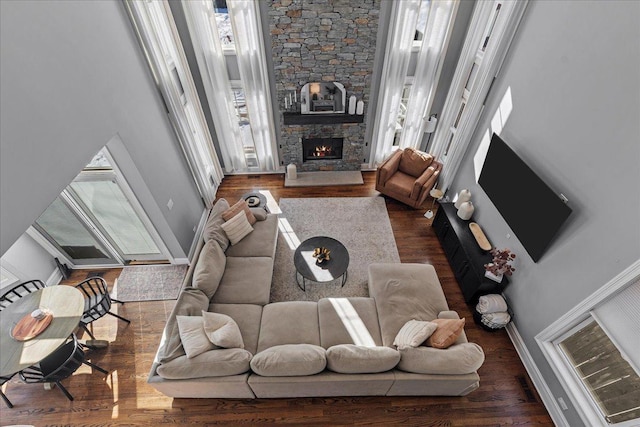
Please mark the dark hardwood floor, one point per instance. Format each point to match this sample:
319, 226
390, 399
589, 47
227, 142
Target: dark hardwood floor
506, 395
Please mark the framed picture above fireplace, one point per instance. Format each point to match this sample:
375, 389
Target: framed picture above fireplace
323, 98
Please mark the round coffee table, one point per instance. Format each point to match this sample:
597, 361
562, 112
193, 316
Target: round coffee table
309, 269
255, 200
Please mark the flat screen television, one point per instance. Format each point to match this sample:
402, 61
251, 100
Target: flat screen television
530, 207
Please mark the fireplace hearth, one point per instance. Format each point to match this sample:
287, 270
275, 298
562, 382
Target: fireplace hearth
322, 149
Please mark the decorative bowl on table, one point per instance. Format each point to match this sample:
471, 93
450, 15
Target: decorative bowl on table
321, 255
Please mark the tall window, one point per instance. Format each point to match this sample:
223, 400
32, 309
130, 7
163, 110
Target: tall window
241, 109
159, 37
421, 28
594, 351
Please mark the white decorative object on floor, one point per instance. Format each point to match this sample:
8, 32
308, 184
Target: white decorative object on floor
292, 171
352, 104
360, 108
466, 210
463, 196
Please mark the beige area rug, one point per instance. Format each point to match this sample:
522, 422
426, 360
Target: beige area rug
360, 223
324, 178
149, 282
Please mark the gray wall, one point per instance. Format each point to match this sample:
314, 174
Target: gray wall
576, 104
28, 260
73, 76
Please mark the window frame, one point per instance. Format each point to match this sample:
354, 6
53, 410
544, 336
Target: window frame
548, 340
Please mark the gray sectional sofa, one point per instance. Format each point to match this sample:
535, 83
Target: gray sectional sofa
333, 347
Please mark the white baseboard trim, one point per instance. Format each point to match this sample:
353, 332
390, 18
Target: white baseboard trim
539, 382
196, 237
179, 261
54, 278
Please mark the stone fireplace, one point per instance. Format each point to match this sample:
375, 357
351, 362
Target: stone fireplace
323, 41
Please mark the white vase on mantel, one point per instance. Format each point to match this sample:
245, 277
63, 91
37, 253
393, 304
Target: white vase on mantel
463, 196
466, 210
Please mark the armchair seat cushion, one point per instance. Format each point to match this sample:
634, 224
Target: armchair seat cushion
400, 183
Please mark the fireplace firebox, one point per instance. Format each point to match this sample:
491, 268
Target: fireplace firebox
321, 149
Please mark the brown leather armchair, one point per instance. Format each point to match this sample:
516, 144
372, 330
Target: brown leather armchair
408, 176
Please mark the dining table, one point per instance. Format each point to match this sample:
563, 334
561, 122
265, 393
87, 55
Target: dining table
62, 306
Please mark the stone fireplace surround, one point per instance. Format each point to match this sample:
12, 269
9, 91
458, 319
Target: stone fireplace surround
323, 41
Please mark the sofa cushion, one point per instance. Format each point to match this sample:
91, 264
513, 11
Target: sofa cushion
190, 302
213, 228
193, 336
403, 292
414, 333
289, 322
247, 316
356, 359
289, 360
237, 228
239, 206
246, 280
458, 359
261, 242
222, 330
447, 332
348, 321
213, 363
209, 268
414, 162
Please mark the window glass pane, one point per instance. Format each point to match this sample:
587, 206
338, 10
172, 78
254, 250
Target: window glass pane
69, 233
610, 380
110, 207
248, 144
421, 25
225, 32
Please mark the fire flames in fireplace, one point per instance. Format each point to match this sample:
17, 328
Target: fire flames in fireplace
322, 148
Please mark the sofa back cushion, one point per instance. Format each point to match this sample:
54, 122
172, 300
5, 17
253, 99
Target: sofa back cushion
289, 360
290, 322
190, 302
414, 162
356, 359
213, 228
209, 268
348, 321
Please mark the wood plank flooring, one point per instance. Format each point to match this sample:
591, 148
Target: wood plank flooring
506, 395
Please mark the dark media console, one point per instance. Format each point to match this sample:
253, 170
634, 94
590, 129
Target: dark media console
466, 258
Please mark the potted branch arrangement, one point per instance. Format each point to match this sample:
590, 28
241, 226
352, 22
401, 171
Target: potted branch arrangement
500, 265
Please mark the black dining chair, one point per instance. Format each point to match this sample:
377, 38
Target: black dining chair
18, 291
59, 365
3, 380
97, 302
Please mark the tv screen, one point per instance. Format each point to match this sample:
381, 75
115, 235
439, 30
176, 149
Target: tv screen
528, 205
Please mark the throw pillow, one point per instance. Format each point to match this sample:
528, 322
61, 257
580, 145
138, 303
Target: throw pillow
209, 269
356, 359
414, 333
447, 333
237, 228
259, 213
239, 206
289, 360
222, 330
193, 337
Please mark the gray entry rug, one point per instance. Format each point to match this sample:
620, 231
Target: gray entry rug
360, 223
150, 282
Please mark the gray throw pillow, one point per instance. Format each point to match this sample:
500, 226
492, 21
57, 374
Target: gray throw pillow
222, 330
414, 333
194, 338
